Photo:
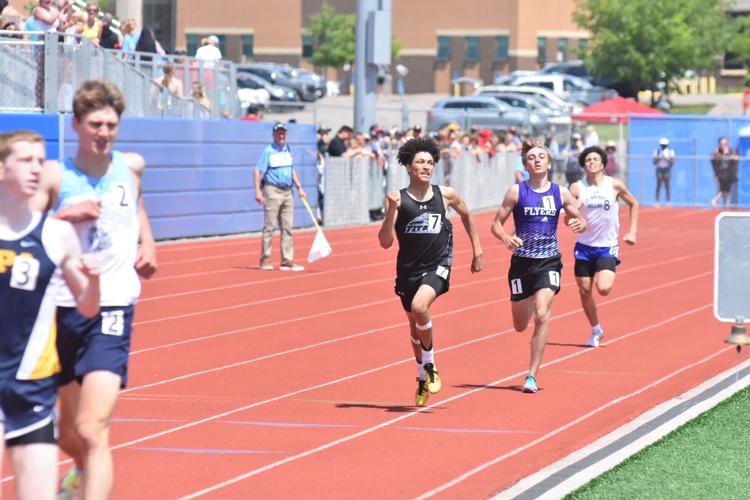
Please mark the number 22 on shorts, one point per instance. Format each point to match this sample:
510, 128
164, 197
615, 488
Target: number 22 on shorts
113, 323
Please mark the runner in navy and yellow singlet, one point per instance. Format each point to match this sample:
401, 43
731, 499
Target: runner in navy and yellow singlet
416, 216
32, 249
596, 249
99, 192
534, 275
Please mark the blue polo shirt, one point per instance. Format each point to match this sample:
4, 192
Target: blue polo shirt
275, 165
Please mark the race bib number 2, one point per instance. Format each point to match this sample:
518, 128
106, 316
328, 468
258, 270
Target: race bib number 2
113, 323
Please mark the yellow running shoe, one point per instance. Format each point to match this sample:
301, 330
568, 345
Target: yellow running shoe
70, 485
433, 378
423, 394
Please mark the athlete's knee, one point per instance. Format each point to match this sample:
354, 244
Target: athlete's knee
541, 316
93, 431
584, 291
520, 325
420, 307
604, 290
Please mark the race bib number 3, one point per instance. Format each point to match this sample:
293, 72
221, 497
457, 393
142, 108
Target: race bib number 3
113, 323
25, 273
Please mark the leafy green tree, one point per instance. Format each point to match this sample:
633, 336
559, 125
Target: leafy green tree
646, 42
334, 38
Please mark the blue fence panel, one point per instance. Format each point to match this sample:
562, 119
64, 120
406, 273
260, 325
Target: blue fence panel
199, 173
45, 125
693, 139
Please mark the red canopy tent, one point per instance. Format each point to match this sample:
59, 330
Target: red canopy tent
614, 110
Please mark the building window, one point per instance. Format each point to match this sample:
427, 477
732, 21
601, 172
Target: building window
541, 51
193, 42
248, 42
472, 49
444, 48
583, 47
307, 46
562, 50
501, 48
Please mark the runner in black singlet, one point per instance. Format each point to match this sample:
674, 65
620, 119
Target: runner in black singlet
416, 216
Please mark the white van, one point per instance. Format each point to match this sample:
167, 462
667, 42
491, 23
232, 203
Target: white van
545, 94
569, 87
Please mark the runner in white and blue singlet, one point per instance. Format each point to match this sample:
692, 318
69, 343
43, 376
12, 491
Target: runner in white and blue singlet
99, 192
416, 216
33, 248
534, 275
596, 249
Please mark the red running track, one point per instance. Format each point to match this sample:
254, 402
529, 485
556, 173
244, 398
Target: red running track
257, 384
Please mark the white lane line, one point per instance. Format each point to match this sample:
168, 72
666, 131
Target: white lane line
417, 411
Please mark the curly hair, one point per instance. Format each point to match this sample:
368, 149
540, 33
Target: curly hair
530, 144
592, 149
409, 150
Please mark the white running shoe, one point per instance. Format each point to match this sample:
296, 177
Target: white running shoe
595, 339
265, 267
292, 267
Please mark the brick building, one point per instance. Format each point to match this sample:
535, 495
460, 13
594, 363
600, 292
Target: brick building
440, 39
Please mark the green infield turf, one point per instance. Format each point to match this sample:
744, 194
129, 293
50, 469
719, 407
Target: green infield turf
708, 457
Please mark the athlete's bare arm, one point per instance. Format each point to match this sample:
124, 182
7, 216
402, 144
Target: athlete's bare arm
455, 201
510, 200
575, 191
45, 197
573, 216
145, 262
625, 195
387, 229
81, 272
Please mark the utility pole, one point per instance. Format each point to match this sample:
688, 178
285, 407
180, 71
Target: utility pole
373, 49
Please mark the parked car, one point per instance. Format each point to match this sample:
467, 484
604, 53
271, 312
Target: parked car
275, 73
577, 68
477, 111
278, 93
306, 75
250, 92
571, 88
544, 94
548, 112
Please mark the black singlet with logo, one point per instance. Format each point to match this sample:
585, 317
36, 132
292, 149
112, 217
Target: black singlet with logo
425, 235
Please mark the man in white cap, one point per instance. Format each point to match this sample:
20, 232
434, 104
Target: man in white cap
663, 160
209, 50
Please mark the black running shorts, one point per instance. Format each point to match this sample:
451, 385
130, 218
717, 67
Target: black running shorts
527, 275
406, 287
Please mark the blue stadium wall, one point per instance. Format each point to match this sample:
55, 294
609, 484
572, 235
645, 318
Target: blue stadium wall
693, 139
199, 173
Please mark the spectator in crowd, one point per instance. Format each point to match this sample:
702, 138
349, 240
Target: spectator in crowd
92, 28
252, 114
199, 94
611, 168
129, 37
274, 178
11, 26
75, 28
169, 82
322, 147
724, 162
509, 143
573, 170
147, 43
108, 39
663, 160
209, 51
7, 11
591, 138
338, 145
416, 131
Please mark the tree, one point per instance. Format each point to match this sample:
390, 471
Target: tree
646, 42
334, 38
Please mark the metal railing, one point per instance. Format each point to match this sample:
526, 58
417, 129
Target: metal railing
41, 73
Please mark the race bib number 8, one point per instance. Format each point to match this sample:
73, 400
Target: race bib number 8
113, 323
24, 273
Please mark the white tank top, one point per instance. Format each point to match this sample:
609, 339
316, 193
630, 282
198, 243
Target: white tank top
600, 208
114, 236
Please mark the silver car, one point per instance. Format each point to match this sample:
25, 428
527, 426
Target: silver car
479, 112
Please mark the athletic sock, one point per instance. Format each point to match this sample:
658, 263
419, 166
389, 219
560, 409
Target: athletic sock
596, 329
427, 356
420, 370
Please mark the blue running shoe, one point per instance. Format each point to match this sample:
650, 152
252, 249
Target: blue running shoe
529, 385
